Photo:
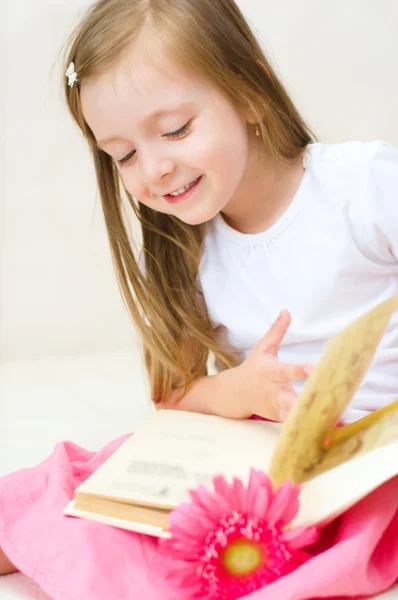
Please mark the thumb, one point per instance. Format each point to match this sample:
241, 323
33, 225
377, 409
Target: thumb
274, 336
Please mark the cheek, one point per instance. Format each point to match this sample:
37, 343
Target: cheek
224, 148
134, 186
132, 182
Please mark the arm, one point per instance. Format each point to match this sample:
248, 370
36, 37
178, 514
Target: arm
261, 385
209, 395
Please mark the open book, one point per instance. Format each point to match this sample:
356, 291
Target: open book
174, 451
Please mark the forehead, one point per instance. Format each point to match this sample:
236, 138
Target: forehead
146, 81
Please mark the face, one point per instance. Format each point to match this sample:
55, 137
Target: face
179, 144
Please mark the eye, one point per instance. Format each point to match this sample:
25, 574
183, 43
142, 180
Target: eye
126, 158
179, 132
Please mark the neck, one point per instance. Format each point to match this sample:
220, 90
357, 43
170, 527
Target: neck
264, 193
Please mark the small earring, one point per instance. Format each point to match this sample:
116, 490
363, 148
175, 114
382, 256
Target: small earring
258, 132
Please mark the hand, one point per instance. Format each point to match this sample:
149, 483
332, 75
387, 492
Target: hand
261, 385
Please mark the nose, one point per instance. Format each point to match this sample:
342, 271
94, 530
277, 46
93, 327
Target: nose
155, 167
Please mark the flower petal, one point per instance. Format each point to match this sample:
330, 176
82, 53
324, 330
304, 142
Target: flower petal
195, 516
186, 550
262, 478
222, 490
185, 574
189, 580
257, 479
222, 486
209, 501
285, 504
184, 578
238, 495
260, 503
300, 537
184, 528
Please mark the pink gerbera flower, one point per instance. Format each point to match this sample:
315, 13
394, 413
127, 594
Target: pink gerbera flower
231, 541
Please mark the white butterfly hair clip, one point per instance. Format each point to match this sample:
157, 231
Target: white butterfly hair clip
71, 74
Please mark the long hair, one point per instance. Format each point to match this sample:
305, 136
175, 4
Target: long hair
213, 39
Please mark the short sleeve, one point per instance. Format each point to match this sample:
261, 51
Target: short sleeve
380, 193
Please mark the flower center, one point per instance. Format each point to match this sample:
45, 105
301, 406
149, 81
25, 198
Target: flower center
242, 557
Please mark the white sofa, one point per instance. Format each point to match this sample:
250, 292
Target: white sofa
89, 400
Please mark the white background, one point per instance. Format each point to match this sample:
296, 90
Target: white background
58, 292
70, 360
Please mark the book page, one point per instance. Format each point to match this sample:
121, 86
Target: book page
71, 511
175, 451
333, 492
327, 393
373, 431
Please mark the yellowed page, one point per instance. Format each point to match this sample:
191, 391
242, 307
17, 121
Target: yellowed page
175, 451
333, 492
378, 429
327, 394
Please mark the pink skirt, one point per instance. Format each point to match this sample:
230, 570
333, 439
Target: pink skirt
72, 558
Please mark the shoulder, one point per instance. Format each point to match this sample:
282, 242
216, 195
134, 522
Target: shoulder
363, 177
354, 158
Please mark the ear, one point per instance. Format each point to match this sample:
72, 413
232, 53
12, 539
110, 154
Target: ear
250, 118
248, 113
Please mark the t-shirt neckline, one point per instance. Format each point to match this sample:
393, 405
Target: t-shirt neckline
276, 228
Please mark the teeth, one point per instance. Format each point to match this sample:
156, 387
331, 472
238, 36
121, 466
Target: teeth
183, 189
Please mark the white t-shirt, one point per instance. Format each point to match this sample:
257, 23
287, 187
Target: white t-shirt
330, 257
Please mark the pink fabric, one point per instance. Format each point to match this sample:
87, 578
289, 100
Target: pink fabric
73, 558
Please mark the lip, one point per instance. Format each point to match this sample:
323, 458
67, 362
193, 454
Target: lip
177, 199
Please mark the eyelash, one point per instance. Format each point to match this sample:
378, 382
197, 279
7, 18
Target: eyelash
178, 133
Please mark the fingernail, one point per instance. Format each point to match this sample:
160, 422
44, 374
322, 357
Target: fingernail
308, 370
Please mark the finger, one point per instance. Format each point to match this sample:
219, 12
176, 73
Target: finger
286, 399
276, 333
286, 386
283, 372
276, 404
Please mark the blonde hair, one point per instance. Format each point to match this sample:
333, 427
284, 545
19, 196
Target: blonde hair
214, 40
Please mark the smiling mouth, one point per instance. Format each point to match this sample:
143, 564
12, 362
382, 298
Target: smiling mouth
182, 189
183, 192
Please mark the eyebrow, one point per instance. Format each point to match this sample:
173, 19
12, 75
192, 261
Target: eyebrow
155, 115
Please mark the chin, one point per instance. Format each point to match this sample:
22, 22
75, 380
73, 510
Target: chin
200, 218
201, 213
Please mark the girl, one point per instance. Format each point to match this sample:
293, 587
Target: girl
242, 213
